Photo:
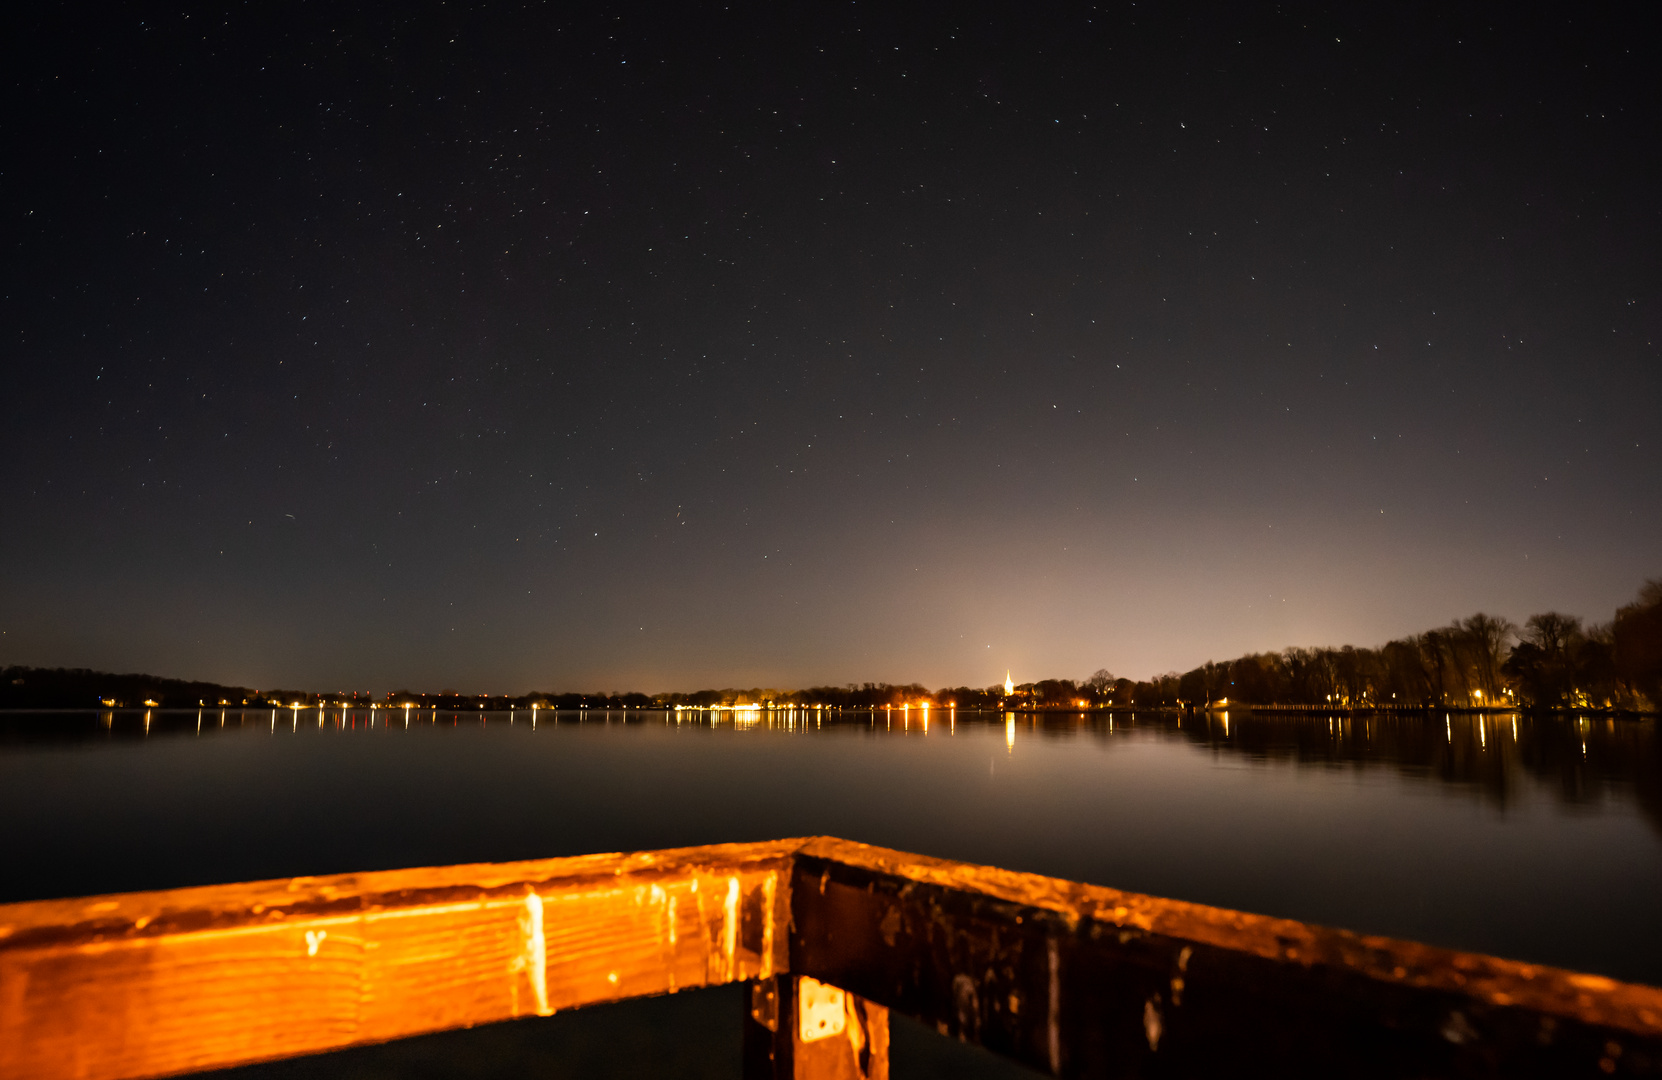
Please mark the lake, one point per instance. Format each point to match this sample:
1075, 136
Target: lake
1530, 838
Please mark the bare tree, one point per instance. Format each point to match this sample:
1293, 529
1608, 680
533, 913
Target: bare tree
1486, 638
1553, 632
1446, 677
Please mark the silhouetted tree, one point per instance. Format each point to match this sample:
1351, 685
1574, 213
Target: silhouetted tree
1060, 692
1408, 678
1484, 639
1595, 667
1636, 647
1543, 662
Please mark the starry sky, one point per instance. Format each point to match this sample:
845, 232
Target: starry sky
602, 347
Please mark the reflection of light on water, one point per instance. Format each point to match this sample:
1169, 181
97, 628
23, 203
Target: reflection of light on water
1010, 731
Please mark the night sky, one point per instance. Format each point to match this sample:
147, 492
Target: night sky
562, 347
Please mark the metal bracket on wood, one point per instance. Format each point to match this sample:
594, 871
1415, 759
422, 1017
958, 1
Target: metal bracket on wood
820, 1032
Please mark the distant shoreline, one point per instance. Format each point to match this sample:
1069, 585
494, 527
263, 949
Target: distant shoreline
531, 705
1553, 664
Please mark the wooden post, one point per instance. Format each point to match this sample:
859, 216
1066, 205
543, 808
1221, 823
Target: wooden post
796, 1028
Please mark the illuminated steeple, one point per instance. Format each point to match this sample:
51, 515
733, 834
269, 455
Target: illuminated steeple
1009, 687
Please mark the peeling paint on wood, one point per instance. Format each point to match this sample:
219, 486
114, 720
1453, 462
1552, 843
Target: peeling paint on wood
1137, 985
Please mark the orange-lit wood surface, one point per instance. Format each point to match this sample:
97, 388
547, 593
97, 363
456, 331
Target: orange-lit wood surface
146, 984
1072, 979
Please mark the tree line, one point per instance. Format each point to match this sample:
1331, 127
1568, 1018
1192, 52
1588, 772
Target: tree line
81, 688
1552, 661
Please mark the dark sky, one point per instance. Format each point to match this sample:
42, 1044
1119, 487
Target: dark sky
573, 347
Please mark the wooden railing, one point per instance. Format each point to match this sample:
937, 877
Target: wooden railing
1071, 979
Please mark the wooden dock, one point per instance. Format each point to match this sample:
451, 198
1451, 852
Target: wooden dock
1070, 979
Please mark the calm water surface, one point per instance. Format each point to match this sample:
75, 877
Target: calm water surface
1534, 839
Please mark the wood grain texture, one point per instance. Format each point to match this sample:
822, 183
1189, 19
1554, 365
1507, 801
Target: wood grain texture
150, 984
1080, 980
1072, 979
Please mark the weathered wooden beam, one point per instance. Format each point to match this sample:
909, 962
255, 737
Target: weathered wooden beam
1070, 978
150, 984
796, 1028
1078, 980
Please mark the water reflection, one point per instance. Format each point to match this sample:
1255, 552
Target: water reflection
1535, 838
1584, 761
